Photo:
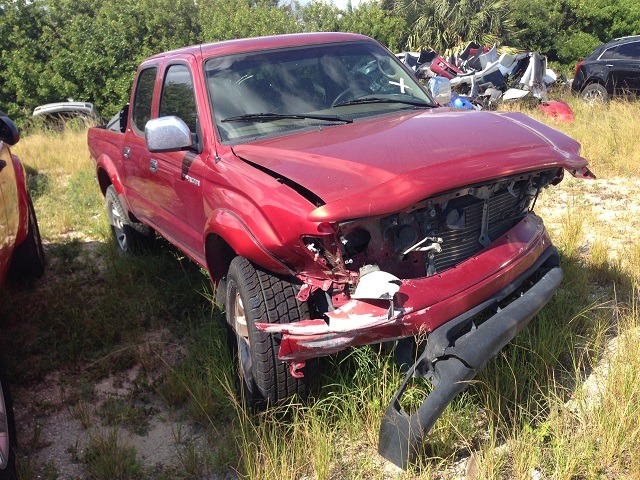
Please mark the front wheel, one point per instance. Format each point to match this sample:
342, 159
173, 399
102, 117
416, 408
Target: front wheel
254, 295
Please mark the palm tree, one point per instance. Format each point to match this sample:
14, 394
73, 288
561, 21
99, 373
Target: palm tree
443, 24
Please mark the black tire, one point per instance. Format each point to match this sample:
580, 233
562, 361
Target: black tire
7, 430
595, 93
28, 258
130, 237
254, 295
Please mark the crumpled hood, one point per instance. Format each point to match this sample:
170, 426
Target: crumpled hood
381, 165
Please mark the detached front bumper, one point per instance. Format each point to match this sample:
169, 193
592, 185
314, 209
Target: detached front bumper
457, 351
421, 305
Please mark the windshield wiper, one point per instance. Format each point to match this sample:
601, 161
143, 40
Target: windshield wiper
361, 100
271, 117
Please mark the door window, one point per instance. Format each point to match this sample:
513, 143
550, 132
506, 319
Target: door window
178, 97
143, 98
609, 54
628, 51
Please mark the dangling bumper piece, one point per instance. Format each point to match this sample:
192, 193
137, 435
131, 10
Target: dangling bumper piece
458, 350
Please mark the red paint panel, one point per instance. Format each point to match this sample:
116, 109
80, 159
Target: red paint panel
379, 166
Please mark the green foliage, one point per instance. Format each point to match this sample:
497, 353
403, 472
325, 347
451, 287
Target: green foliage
442, 24
539, 24
370, 19
320, 16
228, 19
574, 46
51, 50
22, 54
567, 30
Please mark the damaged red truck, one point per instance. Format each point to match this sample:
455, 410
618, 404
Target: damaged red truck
334, 203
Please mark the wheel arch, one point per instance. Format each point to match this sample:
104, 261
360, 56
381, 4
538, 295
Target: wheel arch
219, 255
103, 180
600, 81
107, 174
23, 200
226, 237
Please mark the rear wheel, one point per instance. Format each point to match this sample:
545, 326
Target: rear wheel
254, 295
129, 236
595, 93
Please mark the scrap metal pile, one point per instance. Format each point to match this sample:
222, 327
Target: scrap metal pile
480, 77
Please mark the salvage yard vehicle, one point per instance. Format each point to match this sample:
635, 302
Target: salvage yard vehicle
611, 69
333, 204
66, 110
21, 256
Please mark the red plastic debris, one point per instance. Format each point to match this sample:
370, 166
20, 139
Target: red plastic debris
295, 369
558, 110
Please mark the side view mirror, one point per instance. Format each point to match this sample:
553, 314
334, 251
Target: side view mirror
9, 132
167, 134
440, 89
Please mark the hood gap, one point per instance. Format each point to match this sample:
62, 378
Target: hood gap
304, 192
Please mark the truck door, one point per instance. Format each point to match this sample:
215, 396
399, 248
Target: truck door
179, 175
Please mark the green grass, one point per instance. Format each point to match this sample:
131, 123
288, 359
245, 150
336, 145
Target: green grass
126, 411
608, 133
108, 458
528, 411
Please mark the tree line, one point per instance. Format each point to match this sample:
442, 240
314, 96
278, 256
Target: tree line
51, 50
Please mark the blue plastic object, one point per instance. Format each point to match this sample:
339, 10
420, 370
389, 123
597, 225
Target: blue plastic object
459, 102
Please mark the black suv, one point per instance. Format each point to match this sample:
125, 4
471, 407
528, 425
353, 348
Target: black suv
611, 69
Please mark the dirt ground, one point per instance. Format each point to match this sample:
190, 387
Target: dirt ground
58, 433
57, 426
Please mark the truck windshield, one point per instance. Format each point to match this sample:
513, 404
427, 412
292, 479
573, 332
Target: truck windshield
277, 91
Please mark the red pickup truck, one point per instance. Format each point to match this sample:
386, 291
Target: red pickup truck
335, 203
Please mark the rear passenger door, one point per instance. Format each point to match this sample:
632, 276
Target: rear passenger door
137, 178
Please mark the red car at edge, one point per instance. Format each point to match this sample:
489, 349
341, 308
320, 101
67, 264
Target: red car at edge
21, 256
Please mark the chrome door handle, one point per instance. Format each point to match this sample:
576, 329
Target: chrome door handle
153, 165
126, 152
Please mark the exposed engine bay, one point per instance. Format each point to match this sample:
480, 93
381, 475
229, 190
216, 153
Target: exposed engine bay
432, 235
